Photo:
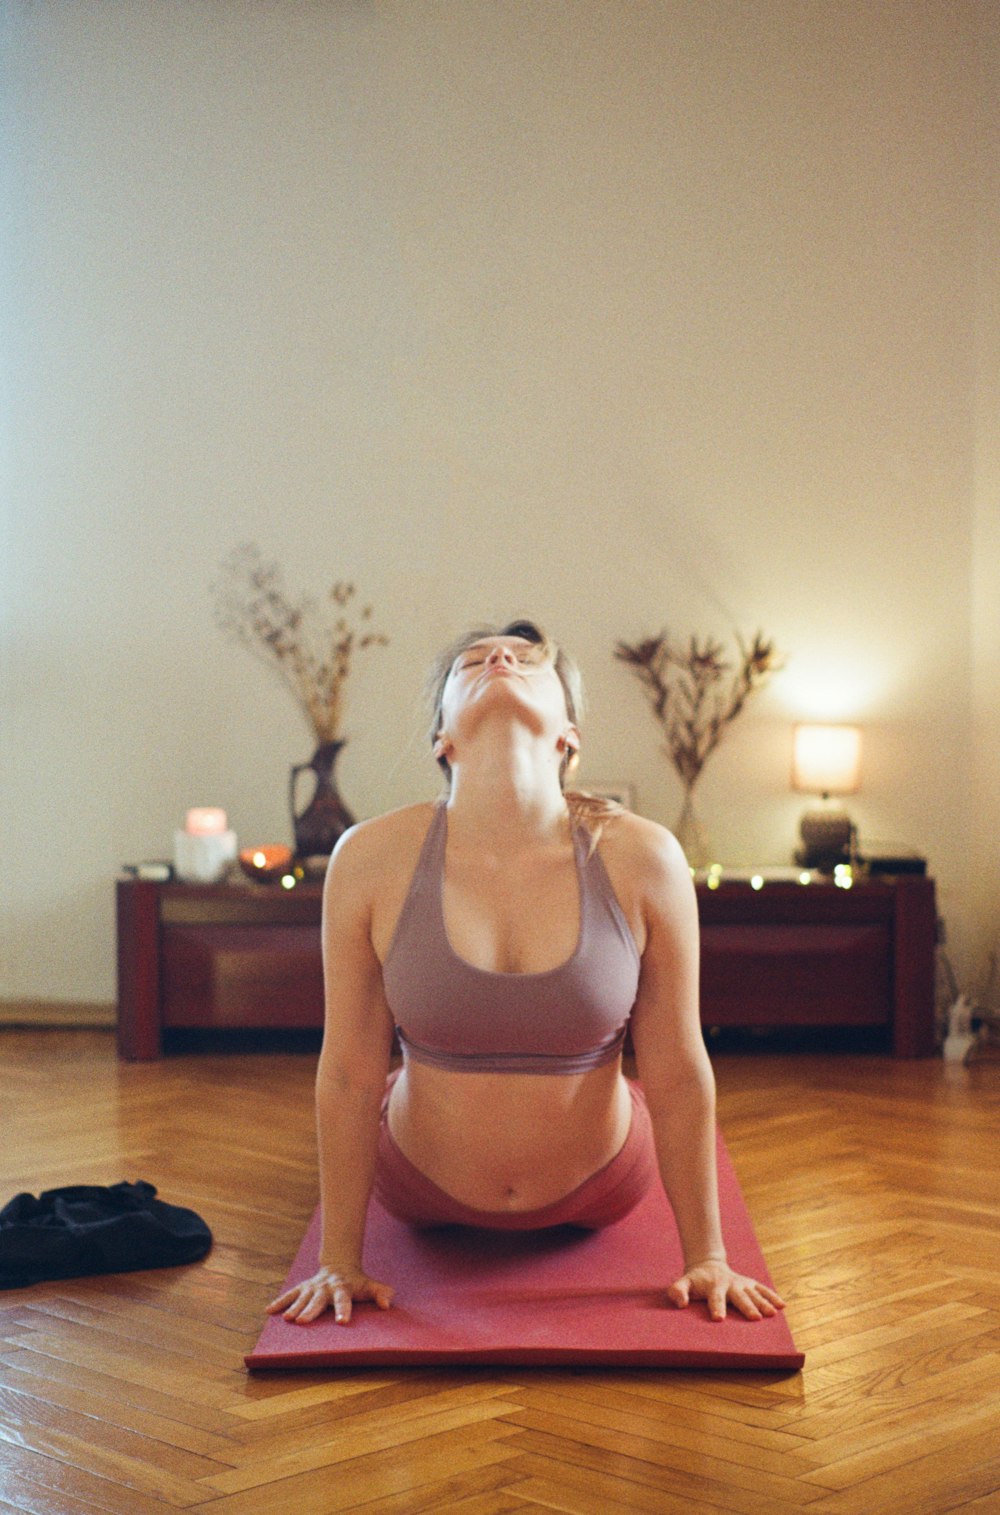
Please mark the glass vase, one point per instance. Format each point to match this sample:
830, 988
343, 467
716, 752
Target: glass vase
691, 833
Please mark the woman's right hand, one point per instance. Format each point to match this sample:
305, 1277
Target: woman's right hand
329, 1289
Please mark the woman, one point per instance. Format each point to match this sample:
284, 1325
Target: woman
509, 935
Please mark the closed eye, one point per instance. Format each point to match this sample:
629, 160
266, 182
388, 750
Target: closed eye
527, 654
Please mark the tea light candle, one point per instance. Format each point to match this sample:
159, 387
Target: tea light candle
205, 820
265, 863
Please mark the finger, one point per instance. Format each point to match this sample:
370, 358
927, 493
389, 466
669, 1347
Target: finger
299, 1300
369, 1289
744, 1302
763, 1292
717, 1302
308, 1305
342, 1304
314, 1309
281, 1303
384, 1295
679, 1293
763, 1298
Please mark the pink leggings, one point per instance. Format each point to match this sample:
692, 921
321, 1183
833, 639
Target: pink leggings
600, 1200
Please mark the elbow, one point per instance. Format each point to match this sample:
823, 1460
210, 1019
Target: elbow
333, 1076
676, 1076
350, 1080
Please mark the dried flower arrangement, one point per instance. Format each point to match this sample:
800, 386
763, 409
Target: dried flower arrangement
696, 695
313, 659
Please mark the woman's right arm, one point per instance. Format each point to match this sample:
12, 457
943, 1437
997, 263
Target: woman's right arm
350, 1085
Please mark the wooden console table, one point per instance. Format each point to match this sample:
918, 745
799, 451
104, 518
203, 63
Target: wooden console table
794, 955
215, 957
788, 956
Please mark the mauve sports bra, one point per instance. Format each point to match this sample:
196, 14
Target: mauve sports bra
465, 1019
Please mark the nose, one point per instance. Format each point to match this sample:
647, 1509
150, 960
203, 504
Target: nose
500, 654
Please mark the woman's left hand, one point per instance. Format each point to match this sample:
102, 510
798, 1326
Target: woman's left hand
718, 1284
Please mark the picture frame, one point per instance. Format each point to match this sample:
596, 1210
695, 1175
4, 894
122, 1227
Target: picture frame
622, 791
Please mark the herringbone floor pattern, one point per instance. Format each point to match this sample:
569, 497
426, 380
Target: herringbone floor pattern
874, 1188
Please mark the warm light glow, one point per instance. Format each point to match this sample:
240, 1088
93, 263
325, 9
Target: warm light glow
825, 686
827, 759
205, 820
756, 882
265, 864
288, 881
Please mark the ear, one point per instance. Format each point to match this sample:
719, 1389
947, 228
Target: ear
442, 747
569, 743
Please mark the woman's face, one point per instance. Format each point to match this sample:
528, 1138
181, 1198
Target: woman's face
506, 672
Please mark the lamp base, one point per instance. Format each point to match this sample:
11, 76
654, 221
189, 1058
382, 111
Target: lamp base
827, 838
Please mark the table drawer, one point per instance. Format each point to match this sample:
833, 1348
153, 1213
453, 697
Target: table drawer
760, 975
241, 976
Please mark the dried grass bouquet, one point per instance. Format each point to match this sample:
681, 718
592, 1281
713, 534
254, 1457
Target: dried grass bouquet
313, 656
695, 693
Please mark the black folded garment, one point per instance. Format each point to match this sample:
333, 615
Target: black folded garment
86, 1228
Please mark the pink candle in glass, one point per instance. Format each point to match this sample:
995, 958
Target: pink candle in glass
205, 820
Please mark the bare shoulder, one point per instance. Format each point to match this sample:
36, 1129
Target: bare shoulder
370, 872
647, 849
384, 842
647, 867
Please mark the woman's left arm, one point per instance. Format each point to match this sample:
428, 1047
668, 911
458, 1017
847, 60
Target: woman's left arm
676, 1075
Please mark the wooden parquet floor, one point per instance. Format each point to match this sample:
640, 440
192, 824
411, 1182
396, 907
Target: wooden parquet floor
875, 1189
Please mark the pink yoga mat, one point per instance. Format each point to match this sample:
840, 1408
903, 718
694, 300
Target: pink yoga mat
557, 1297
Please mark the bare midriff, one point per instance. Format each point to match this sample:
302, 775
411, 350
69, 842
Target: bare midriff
509, 1141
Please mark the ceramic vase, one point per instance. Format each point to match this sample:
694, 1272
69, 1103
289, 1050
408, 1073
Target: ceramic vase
322, 822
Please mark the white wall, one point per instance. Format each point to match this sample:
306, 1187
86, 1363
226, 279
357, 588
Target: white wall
985, 798
614, 312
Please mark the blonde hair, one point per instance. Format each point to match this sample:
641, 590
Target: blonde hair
591, 811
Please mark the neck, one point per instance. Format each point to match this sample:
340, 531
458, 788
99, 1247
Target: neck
507, 798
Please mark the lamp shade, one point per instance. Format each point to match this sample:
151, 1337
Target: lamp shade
826, 759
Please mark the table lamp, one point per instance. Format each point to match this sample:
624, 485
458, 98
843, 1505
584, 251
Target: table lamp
826, 760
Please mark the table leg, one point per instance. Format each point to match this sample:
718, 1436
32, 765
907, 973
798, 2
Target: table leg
138, 921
